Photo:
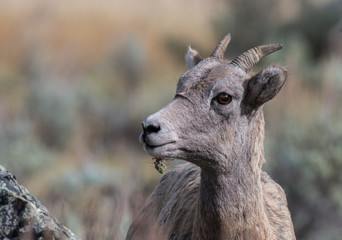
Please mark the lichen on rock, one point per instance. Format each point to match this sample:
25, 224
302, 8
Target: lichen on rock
22, 216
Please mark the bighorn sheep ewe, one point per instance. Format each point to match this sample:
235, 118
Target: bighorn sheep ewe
216, 123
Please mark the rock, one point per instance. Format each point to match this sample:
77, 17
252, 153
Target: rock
22, 216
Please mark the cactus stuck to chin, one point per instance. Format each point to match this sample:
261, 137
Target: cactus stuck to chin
159, 164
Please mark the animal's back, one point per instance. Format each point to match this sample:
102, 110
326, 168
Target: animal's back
169, 211
277, 212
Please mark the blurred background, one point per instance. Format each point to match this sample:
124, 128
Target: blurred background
78, 77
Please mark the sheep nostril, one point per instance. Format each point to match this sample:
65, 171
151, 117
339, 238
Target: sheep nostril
152, 129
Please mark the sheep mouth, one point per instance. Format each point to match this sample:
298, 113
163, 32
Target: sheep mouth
153, 146
159, 150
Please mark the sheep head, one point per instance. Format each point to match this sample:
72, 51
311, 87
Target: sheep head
211, 122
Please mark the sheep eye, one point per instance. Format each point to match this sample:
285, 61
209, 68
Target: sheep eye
223, 98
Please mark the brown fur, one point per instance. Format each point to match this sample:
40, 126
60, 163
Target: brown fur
170, 210
222, 193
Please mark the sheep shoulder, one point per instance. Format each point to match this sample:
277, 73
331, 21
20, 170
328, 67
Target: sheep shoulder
169, 211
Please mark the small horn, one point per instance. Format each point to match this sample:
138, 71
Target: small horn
221, 47
251, 57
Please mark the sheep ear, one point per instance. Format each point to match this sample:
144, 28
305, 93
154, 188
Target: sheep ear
265, 85
192, 57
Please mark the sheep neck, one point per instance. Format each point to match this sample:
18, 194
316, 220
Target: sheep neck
230, 205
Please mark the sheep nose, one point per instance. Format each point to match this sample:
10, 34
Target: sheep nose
149, 128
